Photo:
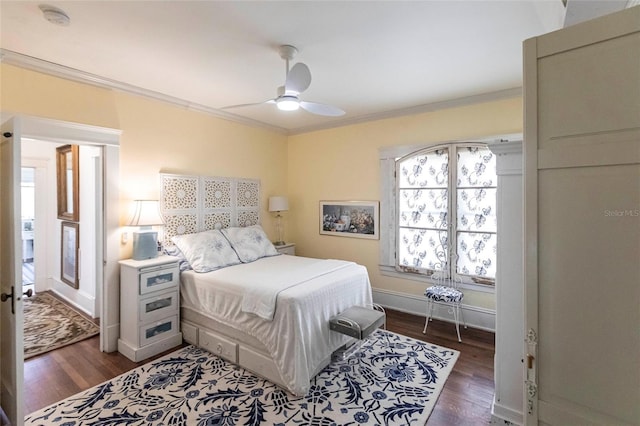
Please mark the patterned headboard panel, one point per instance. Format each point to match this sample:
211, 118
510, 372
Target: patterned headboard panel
199, 203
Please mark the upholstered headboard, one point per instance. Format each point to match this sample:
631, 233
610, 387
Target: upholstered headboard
198, 203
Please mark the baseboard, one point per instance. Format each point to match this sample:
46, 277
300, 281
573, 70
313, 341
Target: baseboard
476, 317
502, 415
110, 340
76, 298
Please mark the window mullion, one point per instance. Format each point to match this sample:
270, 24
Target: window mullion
453, 202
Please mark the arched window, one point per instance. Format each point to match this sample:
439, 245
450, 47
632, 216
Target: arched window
444, 213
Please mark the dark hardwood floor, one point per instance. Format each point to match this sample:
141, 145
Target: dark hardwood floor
465, 400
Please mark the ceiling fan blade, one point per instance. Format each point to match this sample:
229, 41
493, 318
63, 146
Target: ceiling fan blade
321, 109
270, 101
298, 78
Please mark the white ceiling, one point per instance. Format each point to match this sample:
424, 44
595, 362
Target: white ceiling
370, 58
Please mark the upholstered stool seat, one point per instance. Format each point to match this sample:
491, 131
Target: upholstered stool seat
441, 293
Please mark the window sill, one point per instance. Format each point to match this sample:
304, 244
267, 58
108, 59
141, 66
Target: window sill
390, 271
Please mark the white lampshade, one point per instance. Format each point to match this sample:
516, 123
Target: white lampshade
278, 204
147, 213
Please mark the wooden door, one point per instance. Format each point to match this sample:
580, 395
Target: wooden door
11, 348
582, 223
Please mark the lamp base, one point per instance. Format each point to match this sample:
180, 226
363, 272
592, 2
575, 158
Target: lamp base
145, 245
279, 243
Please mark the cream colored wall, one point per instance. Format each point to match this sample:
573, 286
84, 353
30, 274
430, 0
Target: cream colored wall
335, 164
342, 164
156, 137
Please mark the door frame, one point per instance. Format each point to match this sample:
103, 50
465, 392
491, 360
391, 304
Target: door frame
108, 139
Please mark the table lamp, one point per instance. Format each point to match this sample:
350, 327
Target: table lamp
278, 204
145, 239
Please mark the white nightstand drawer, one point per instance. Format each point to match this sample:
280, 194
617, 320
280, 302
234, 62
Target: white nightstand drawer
218, 345
158, 306
158, 330
158, 278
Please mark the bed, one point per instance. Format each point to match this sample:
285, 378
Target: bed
264, 311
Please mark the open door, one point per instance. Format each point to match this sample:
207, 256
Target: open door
11, 347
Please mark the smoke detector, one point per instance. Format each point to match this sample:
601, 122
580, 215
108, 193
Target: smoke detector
54, 15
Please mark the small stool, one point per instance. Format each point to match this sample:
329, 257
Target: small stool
357, 322
444, 295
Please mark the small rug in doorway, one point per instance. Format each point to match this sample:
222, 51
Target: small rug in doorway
51, 324
390, 380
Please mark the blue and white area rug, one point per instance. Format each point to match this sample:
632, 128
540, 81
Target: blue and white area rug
390, 380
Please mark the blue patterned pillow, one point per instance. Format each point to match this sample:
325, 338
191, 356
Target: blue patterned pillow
250, 243
206, 251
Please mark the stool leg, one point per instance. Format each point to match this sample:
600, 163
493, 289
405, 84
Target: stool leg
456, 312
462, 316
428, 317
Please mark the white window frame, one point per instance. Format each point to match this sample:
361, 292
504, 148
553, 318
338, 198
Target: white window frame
389, 205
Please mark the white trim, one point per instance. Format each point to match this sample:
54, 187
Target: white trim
474, 316
515, 92
57, 70
37, 128
78, 299
390, 271
501, 412
395, 152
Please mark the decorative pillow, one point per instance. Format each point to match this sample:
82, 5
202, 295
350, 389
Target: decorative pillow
206, 251
175, 252
250, 243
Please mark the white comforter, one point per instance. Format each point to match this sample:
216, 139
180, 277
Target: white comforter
298, 337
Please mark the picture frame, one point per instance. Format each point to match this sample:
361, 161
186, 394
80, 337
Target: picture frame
69, 245
356, 219
68, 182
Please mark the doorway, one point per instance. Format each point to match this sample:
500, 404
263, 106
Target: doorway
28, 213
42, 231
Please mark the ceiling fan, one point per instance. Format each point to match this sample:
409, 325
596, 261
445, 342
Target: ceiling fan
298, 79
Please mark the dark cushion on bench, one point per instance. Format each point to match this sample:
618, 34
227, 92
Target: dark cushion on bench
357, 321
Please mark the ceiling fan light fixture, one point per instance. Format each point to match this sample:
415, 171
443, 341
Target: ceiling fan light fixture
287, 103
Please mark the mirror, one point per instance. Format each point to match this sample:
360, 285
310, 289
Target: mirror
68, 182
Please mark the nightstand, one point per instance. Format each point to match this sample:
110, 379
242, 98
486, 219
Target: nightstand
149, 307
288, 248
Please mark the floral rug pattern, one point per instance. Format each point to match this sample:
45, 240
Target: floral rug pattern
390, 380
51, 324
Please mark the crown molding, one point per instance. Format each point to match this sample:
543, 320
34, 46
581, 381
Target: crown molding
35, 64
515, 92
39, 65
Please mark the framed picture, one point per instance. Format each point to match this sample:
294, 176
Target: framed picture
67, 168
357, 219
69, 254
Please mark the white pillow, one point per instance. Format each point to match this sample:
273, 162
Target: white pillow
250, 243
206, 251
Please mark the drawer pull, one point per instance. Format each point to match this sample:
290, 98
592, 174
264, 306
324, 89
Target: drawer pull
219, 348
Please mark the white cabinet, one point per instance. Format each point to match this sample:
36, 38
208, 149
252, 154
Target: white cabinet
288, 248
149, 307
